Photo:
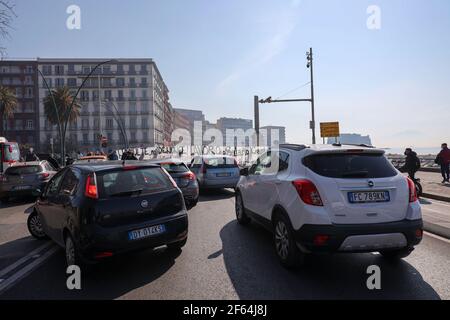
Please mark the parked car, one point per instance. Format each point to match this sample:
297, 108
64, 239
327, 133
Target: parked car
330, 199
215, 171
90, 159
99, 210
22, 179
184, 178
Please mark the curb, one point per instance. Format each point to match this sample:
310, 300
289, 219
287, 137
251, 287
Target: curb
435, 197
436, 229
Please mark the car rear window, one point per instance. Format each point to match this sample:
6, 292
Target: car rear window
220, 162
122, 183
175, 167
23, 170
350, 166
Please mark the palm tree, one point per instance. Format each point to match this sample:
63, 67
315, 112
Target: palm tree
63, 100
8, 103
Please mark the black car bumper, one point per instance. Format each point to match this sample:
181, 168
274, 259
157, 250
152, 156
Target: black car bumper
308, 236
97, 242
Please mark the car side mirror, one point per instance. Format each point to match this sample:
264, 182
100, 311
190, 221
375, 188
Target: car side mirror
244, 172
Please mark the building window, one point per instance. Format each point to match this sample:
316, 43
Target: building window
29, 125
108, 95
133, 94
71, 69
106, 69
85, 123
120, 69
132, 106
144, 69
144, 94
29, 69
120, 94
96, 123
59, 82
106, 82
59, 70
72, 82
109, 124
133, 136
120, 82
47, 70
143, 82
144, 123
18, 124
84, 96
132, 82
29, 92
86, 69
132, 69
132, 122
85, 137
145, 136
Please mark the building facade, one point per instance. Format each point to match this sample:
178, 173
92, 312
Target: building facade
183, 125
123, 100
22, 79
238, 126
273, 135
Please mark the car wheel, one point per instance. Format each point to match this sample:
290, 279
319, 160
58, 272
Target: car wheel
35, 227
241, 215
71, 252
396, 254
285, 245
191, 204
177, 245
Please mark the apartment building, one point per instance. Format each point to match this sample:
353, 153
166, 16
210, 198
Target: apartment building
21, 77
124, 99
272, 135
239, 128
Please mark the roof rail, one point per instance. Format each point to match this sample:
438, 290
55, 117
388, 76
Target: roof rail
353, 144
291, 146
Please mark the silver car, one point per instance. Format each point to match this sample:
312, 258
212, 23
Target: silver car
24, 179
184, 178
215, 172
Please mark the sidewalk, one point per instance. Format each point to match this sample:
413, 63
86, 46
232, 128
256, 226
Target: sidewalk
432, 186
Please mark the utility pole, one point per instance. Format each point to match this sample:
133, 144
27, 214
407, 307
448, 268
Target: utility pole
309, 57
257, 120
312, 124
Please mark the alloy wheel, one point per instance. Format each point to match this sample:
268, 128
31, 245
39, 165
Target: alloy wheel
282, 240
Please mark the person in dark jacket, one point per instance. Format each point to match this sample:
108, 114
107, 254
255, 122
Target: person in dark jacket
112, 155
412, 163
31, 156
443, 159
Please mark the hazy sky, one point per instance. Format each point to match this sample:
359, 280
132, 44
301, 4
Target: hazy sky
215, 55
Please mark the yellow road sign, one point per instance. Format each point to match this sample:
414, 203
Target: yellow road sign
329, 129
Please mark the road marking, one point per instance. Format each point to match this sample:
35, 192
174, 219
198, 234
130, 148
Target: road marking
22, 273
24, 259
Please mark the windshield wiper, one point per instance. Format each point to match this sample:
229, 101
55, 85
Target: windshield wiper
361, 174
127, 193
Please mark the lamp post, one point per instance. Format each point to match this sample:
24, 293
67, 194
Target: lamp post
66, 118
118, 119
57, 116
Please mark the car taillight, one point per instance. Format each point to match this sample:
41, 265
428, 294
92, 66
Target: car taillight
91, 187
189, 176
412, 190
44, 175
308, 192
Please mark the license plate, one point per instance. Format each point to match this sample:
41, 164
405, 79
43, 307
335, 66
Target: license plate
146, 232
223, 174
22, 188
369, 196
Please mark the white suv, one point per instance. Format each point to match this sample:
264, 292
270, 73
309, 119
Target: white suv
330, 198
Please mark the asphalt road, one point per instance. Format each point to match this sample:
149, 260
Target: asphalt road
222, 260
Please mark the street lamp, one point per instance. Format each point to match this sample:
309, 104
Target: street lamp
57, 115
118, 119
66, 118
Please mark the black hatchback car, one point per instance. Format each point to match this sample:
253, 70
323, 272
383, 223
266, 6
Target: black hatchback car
99, 210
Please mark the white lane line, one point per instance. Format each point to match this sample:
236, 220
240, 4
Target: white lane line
24, 259
22, 273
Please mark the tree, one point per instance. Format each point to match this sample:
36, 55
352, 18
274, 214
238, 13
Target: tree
8, 103
63, 100
7, 14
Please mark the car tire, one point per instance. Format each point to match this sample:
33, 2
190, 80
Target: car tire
241, 215
177, 245
396, 254
71, 252
191, 204
35, 227
286, 248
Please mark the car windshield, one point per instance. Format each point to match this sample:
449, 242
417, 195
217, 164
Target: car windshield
350, 166
174, 167
220, 162
137, 181
23, 170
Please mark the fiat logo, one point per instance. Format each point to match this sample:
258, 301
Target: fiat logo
144, 204
371, 184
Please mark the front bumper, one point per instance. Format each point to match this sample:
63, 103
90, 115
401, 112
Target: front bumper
96, 239
369, 237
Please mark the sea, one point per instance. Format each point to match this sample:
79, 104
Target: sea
420, 151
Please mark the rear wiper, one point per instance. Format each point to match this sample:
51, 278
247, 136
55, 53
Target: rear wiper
361, 174
127, 193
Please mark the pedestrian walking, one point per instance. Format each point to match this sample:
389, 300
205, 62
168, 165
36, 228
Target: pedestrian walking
443, 159
31, 156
